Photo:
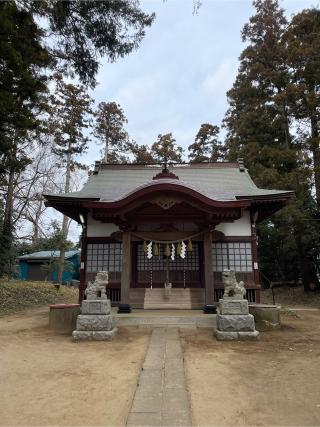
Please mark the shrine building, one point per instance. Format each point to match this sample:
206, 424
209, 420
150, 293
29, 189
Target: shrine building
166, 233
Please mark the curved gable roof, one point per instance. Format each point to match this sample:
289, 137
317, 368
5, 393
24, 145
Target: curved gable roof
215, 181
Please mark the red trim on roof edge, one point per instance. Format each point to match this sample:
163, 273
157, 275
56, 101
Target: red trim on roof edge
164, 187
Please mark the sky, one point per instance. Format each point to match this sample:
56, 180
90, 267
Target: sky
179, 76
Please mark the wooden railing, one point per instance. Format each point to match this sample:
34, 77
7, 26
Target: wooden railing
114, 294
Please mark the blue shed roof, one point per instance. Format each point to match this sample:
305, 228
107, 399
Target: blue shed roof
42, 255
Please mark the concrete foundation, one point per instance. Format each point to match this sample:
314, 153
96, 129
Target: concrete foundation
63, 317
266, 316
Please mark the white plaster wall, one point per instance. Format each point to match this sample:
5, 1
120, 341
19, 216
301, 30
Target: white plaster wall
99, 229
240, 227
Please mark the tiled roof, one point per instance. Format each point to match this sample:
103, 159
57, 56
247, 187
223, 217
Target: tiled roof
218, 181
47, 255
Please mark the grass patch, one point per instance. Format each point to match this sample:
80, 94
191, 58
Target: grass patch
17, 295
291, 297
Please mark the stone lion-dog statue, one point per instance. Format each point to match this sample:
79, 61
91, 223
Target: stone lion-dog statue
97, 289
231, 287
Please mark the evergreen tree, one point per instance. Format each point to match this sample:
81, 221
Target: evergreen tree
166, 149
259, 121
141, 153
71, 115
207, 147
302, 41
109, 128
82, 31
22, 90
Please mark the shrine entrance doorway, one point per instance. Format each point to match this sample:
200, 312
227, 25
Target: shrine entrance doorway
180, 272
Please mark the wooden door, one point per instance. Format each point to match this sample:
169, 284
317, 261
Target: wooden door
182, 273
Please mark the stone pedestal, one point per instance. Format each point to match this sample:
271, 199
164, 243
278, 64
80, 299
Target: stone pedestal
95, 321
234, 321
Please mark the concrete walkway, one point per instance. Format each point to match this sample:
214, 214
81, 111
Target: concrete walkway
161, 398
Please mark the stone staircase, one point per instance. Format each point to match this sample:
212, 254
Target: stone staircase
173, 299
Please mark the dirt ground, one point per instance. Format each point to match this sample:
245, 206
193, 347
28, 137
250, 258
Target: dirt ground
46, 379
272, 382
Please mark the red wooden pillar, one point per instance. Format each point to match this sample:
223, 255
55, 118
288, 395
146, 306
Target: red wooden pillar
124, 306
255, 264
83, 265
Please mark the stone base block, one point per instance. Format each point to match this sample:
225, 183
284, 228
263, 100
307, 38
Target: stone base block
227, 306
236, 336
95, 322
96, 307
94, 335
235, 323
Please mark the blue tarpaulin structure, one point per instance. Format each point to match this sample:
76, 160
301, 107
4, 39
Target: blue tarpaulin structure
30, 266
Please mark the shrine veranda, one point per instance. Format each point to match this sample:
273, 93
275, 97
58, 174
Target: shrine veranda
171, 227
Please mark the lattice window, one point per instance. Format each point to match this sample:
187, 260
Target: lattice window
234, 255
104, 256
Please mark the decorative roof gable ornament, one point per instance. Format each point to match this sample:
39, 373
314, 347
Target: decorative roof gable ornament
166, 202
165, 173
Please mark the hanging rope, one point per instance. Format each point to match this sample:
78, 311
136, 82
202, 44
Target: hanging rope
167, 241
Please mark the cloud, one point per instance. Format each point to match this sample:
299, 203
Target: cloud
137, 92
221, 78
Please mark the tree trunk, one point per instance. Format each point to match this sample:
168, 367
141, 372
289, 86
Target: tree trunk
9, 198
35, 235
315, 148
6, 233
106, 148
303, 264
286, 127
64, 229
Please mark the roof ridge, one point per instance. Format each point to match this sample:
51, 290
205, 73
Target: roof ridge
200, 165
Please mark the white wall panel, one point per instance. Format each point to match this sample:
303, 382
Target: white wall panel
100, 229
240, 227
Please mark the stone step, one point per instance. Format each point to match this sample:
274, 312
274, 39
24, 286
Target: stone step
141, 321
167, 301
170, 306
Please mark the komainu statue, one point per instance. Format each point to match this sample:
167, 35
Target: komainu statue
97, 289
231, 287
